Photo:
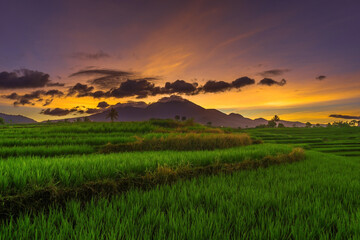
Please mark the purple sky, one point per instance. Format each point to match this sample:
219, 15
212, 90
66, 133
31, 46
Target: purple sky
195, 41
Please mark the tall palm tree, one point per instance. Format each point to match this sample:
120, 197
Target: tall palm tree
112, 114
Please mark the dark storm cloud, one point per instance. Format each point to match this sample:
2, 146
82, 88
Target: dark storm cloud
273, 72
242, 82
344, 116
90, 56
37, 96
104, 78
212, 86
270, 82
320, 77
181, 86
57, 111
103, 104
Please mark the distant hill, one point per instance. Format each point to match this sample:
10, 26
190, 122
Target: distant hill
174, 105
16, 119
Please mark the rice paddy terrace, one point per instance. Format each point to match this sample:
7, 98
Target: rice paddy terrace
178, 180
338, 141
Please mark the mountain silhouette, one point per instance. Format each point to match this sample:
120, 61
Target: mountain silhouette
169, 107
16, 119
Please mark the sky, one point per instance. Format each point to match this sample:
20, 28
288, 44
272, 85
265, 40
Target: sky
297, 59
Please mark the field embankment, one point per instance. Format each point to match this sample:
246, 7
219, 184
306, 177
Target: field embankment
313, 199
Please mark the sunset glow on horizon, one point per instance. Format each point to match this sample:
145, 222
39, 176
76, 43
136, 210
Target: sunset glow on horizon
313, 46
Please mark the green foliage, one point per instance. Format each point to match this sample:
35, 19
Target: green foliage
341, 141
271, 124
308, 124
29, 173
2, 122
181, 143
87, 119
113, 114
280, 125
314, 199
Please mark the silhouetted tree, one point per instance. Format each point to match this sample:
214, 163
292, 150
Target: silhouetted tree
177, 117
280, 125
87, 119
209, 123
183, 118
276, 118
112, 114
271, 124
308, 124
353, 123
2, 122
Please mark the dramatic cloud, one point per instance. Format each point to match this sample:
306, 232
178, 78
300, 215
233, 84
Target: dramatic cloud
80, 90
37, 96
215, 86
273, 72
180, 86
320, 77
24, 78
344, 116
56, 84
90, 56
57, 111
141, 88
270, 82
103, 105
172, 98
132, 104
92, 110
48, 102
242, 82
104, 78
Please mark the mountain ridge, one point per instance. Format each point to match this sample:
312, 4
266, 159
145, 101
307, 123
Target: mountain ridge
168, 108
17, 119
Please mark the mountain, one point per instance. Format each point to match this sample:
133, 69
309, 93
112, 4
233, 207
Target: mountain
169, 107
16, 119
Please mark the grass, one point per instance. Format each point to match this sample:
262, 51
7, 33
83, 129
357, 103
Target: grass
313, 199
56, 167
334, 140
181, 143
43, 198
24, 173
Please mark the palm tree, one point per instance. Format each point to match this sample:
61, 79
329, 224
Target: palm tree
112, 114
276, 118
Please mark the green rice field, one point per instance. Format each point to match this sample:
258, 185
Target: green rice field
58, 182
